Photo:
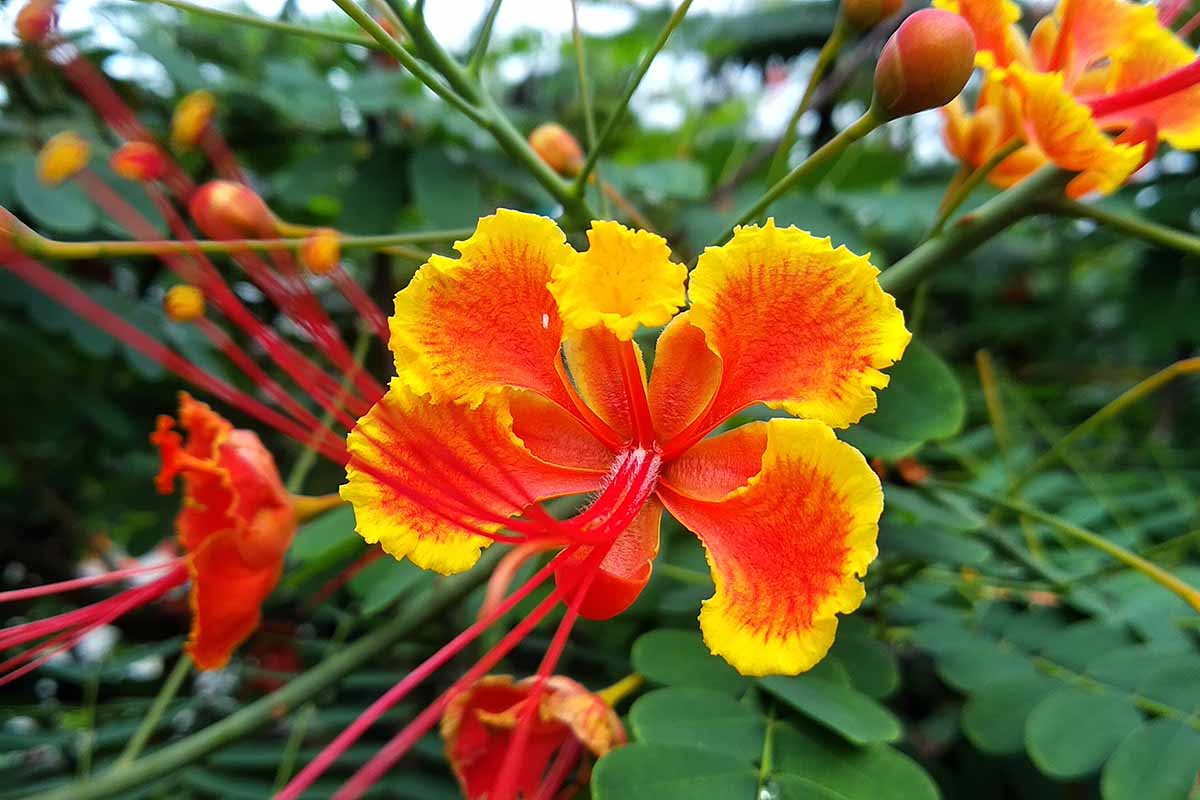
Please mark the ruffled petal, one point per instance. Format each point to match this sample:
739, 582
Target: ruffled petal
625, 569
1064, 130
1145, 56
593, 358
788, 516
465, 327
685, 377
626, 279
226, 598
431, 481
798, 325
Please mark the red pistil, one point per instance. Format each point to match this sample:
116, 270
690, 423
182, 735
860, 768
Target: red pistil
1177, 81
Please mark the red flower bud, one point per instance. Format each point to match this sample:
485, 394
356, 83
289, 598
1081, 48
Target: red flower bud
321, 251
35, 21
925, 64
227, 210
863, 15
139, 161
558, 148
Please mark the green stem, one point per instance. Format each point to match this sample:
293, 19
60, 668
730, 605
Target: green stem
270, 24
1134, 226
291, 749
365, 650
154, 715
1188, 593
683, 575
832, 46
1145, 388
959, 194
766, 763
829, 151
585, 96
974, 229
398, 52
623, 104
479, 51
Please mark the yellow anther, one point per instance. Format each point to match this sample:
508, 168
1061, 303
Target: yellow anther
184, 303
62, 158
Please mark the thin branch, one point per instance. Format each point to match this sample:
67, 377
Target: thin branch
342, 37
479, 51
1134, 226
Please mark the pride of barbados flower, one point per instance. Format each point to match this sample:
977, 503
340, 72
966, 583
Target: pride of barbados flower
1092, 69
519, 379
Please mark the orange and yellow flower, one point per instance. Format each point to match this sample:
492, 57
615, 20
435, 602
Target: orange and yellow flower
1094, 89
236, 525
519, 379
481, 720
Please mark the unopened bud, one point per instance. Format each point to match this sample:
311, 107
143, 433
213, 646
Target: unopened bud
321, 251
191, 118
63, 157
558, 148
227, 210
862, 15
924, 65
184, 303
139, 161
35, 21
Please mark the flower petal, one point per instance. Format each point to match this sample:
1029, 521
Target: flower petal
624, 280
1064, 130
554, 436
685, 377
1095, 29
430, 481
468, 326
1147, 55
798, 325
788, 516
226, 598
998, 41
593, 358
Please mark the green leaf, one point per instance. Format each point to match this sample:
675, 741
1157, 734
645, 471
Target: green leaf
671, 772
385, 581
447, 195
328, 533
680, 658
845, 771
846, 711
870, 662
1072, 732
1158, 761
684, 180
699, 717
994, 717
64, 208
930, 543
922, 401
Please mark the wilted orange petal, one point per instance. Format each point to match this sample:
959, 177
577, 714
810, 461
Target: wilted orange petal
429, 480
788, 516
467, 326
798, 325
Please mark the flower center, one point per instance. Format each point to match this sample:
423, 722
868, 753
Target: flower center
622, 496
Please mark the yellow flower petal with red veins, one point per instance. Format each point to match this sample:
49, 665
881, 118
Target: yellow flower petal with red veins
593, 358
685, 377
429, 480
799, 325
788, 516
998, 41
1064, 130
624, 280
468, 326
226, 598
1148, 55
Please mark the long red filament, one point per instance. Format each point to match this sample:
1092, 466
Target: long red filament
1169, 84
362, 303
114, 576
635, 390
351, 734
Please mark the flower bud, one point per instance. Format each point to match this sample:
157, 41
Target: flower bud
63, 157
227, 210
558, 148
191, 118
139, 161
862, 15
35, 21
321, 251
925, 64
184, 303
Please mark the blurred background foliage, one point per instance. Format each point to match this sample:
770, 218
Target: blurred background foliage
993, 658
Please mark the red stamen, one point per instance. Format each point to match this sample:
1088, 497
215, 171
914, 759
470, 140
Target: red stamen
218, 152
635, 391
347, 737
1167, 85
14, 595
1189, 27
566, 760
506, 571
72, 298
1169, 11
362, 303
